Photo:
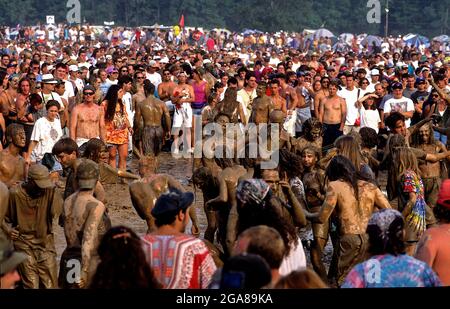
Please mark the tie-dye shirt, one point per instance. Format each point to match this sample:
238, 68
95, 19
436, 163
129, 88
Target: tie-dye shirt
389, 271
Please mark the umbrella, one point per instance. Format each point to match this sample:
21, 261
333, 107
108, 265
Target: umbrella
442, 38
322, 32
417, 40
346, 37
370, 40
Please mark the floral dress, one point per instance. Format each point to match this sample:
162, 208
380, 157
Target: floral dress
117, 129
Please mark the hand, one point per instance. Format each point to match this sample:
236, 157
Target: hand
14, 234
81, 284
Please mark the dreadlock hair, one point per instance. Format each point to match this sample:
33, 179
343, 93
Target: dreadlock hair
290, 163
122, 262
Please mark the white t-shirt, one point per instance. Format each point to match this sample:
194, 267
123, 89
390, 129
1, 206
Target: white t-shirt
369, 118
155, 78
294, 261
46, 133
401, 105
52, 96
127, 100
350, 99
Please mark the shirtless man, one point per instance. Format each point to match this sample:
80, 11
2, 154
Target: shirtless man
226, 204
262, 106
322, 93
290, 95
430, 171
278, 101
83, 216
332, 113
312, 136
12, 165
314, 185
138, 97
152, 110
166, 88
183, 95
7, 99
353, 213
87, 120
146, 191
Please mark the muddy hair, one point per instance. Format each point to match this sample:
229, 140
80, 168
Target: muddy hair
290, 163
310, 124
392, 243
93, 149
269, 213
123, 264
341, 168
369, 137
203, 175
13, 129
417, 141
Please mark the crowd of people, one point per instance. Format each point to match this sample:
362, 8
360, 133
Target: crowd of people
362, 147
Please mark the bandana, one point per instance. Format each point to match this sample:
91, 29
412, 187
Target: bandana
252, 190
383, 219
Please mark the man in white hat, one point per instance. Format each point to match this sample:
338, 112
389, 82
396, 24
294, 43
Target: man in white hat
74, 73
48, 93
152, 74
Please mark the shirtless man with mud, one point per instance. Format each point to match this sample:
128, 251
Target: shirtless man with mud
290, 95
332, 114
430, 171
262, 106
226, 202
83, 216
146, 191
152, 110
87, 120
312, 129
352, 213
12, 165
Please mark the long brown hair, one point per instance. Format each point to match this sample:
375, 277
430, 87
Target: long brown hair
404, 159
301, 279
348, 147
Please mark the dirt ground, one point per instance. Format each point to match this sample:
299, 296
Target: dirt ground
122, 212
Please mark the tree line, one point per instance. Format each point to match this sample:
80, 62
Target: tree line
427, 17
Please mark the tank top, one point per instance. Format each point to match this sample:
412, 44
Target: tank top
200, 95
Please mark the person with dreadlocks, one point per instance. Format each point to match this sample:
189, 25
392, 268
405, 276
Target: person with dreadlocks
390, 267
312, 136
354, 201
123, 264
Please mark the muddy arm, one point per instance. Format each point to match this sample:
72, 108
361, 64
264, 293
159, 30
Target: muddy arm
223, 195
297, 208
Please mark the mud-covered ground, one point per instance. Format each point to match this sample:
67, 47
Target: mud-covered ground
122, 212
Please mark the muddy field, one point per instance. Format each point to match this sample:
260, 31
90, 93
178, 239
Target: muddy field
122, 212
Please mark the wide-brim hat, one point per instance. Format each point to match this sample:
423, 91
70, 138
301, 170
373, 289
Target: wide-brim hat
48, 79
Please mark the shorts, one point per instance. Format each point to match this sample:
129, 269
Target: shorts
152, 140
303, 114
330, 133
182, 117
198, 111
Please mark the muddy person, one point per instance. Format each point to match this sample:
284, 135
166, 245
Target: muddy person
87, 119
12, 165
146, 191
354, 201
152, 111
262, 106
9, 261
332, 114
314, 184
83, 215
312, 136
33, 234
429, 171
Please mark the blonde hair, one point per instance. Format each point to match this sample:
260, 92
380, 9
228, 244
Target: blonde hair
404, 159
301, 279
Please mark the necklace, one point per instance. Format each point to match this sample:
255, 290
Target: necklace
53, 132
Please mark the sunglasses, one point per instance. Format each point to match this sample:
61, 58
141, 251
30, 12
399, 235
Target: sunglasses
124, 71
140, 77
88, 93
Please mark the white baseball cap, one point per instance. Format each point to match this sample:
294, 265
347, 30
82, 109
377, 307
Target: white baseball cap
73, 68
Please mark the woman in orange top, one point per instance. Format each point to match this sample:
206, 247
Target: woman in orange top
117, 126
